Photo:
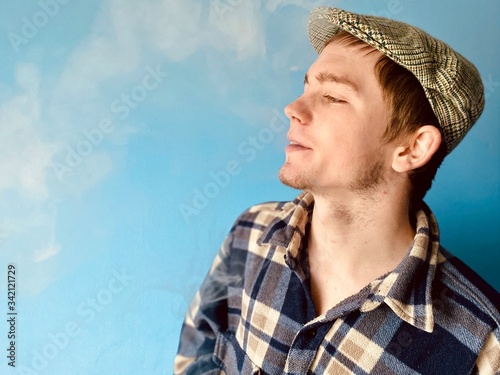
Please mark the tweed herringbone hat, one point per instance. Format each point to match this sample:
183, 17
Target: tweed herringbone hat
451, 83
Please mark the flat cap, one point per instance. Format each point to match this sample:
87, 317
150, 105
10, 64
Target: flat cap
451, 83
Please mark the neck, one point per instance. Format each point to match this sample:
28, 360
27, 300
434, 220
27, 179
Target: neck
360, 238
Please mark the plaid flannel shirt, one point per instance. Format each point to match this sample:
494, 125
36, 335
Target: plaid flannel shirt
254, 314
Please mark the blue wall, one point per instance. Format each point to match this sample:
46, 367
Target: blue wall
133, 134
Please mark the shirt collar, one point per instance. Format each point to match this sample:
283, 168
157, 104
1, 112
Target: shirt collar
407, 290
288, 229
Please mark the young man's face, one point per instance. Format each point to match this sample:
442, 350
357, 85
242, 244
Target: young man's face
337, 126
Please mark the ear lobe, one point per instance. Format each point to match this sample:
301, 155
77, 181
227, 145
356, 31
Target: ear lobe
418, 149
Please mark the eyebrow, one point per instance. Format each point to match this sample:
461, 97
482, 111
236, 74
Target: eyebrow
323, 77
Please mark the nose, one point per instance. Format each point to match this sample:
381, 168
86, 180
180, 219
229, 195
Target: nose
298, 111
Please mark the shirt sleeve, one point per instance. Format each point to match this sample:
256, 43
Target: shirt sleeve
488, 361
206, 316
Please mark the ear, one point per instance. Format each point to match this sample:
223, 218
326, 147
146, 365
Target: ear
417, 149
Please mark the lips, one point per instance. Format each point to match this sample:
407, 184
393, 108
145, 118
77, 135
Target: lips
296, 146
296, 143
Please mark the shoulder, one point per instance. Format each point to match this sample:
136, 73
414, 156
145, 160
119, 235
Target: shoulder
261, 216
468, 290
267, 225
263, 213
252, 223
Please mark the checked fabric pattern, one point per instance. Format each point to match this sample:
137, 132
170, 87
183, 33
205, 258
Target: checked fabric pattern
254, 314
451, 83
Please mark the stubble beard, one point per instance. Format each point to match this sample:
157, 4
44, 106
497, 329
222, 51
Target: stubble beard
369, 178
298, 181
367, 181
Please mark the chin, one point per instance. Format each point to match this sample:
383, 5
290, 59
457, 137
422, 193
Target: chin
293, 179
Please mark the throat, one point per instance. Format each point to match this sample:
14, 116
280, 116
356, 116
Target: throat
332, 280
337, 272
351, 245
327, 292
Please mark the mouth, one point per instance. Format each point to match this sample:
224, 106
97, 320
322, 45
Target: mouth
295, 146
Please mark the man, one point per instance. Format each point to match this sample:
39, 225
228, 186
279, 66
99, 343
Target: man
350, 278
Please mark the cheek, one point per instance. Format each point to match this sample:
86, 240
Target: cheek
379, 120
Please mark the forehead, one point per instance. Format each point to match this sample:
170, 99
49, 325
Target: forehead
355, 60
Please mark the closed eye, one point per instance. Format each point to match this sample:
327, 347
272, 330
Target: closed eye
333, 99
